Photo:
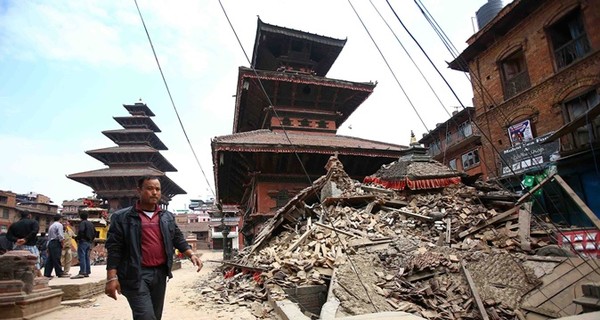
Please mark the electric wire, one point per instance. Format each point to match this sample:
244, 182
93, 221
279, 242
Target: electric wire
388, 65
448, 46
486, 92
440, 74
481, 131
171, 99
409, 57
294, 150
436, 95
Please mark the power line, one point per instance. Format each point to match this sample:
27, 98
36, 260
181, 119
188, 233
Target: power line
388, 65
410, 57
484, 90
294, 148
171, 98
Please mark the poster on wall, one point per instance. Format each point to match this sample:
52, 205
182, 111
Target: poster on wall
520, 132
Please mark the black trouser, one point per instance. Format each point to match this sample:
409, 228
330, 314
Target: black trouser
53, 260
147, 302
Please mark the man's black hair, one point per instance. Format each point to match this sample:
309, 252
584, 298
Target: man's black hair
83, 215
24, 214
141, 180
57, 217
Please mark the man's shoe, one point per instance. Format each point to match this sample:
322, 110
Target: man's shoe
78, 276
64, 275
87, 275
49, 277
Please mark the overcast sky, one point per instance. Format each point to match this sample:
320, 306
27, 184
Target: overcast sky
67, 67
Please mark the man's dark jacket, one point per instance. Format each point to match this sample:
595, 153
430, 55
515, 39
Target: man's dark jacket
24, 229
124, 244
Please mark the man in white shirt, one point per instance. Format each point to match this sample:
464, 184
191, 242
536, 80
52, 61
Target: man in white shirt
55, 238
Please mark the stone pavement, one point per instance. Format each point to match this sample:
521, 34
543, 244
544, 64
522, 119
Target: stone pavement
81, 288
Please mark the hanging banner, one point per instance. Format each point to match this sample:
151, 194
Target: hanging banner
520, 132
529, 155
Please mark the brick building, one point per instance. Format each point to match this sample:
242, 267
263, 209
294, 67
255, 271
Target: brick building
38, 205
8, 209
457, 143
535, 72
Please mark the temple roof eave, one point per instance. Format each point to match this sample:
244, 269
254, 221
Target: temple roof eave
339, 96
100, 179
124, 155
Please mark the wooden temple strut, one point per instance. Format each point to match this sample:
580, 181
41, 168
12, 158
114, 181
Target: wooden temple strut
570, 192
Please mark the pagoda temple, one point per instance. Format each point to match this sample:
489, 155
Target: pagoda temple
136, 155
287, 113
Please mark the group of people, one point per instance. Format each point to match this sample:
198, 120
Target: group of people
53, 249
140, 246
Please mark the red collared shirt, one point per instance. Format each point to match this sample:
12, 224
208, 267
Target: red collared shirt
153, 247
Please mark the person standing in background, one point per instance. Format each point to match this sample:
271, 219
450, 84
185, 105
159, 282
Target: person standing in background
55, 240
23, 234
42, 245
66, 256
86, 233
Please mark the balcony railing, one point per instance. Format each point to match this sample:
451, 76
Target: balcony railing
463, 133
571, 51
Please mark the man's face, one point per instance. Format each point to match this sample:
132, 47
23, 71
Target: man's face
150, 192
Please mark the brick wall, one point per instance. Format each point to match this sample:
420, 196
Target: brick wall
542, 102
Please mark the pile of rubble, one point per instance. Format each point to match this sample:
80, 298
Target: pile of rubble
440, 254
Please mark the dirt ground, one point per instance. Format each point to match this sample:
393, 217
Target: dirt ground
182, 300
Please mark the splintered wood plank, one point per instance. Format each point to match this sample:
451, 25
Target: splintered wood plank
564, 267
474, 291
356, 201
488, 223
408, 213
326, 226
588, 212
534, 189
564, 300
525, 226
300, 240
558, 281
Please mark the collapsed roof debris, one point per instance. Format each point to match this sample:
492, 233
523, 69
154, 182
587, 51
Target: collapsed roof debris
439, 254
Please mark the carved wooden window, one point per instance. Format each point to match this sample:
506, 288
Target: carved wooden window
286, 121
322, 124
515, 77
470, 159
588, 133
569, 39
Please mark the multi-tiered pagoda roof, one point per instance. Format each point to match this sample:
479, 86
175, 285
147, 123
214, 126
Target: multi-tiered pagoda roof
287, 114
137, 154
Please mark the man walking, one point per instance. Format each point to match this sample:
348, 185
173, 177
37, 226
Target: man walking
86, 233
23, 234
140, 244
55, 239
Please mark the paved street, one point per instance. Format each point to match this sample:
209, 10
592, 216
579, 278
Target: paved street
181, 300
